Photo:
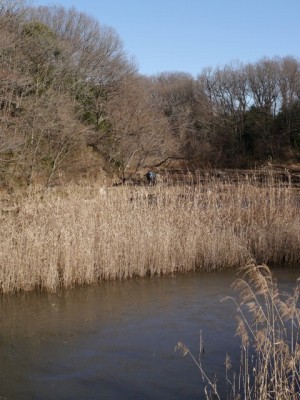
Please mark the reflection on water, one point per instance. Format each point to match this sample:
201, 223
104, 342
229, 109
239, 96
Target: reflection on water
116, 340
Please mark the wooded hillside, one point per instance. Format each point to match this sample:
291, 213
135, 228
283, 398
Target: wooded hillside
73, 105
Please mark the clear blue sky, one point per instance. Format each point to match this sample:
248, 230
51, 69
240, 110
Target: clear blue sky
189, 35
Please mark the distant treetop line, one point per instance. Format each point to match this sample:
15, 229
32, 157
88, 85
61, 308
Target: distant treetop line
72, 104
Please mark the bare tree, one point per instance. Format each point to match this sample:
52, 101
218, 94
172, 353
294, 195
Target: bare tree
96, 52
263, 83
176, 97
289, 81
13, 7
138, 134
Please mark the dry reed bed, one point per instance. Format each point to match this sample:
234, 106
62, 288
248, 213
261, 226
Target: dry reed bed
81, 235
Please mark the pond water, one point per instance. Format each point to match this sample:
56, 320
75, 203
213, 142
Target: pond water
116, 340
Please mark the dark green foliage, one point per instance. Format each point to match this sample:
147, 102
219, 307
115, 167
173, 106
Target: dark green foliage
287, 124
40, 42
38, 29
91, 101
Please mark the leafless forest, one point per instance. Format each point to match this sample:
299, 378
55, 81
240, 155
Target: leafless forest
72, 104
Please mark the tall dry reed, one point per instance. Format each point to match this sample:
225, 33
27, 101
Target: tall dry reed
82, 234
269, 328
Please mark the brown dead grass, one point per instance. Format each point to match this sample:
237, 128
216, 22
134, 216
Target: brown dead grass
79, 234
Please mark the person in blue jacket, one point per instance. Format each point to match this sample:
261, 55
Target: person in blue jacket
151, 178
